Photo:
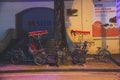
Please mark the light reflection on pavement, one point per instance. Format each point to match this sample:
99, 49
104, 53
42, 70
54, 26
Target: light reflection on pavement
61, 76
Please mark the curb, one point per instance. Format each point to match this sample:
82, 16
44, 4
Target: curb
62, 70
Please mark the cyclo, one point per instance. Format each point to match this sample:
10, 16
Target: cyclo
35, 48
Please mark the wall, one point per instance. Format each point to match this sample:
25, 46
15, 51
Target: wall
8, 10
84, 22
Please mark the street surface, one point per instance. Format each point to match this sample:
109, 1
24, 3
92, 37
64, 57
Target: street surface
61, 76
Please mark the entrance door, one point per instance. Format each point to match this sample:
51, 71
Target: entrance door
35, 19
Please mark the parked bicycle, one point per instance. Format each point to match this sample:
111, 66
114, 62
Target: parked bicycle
79, 53
102, 54
80, 49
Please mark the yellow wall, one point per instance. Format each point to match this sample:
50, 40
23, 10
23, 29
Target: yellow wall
84, 22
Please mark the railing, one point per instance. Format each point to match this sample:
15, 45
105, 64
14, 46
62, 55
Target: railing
6, 39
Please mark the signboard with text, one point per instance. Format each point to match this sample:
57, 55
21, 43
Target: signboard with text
104, 21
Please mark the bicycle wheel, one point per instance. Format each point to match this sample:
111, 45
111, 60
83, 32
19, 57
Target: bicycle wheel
79, 57
17, 58
75, 59
104, 55
40, 58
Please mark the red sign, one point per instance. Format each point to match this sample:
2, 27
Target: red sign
36, 33
79, 32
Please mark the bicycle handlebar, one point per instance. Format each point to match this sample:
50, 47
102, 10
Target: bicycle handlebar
84, 45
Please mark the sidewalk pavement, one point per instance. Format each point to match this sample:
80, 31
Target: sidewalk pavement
90, 65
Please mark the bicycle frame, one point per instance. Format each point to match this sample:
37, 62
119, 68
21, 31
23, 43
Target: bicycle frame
102, 54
